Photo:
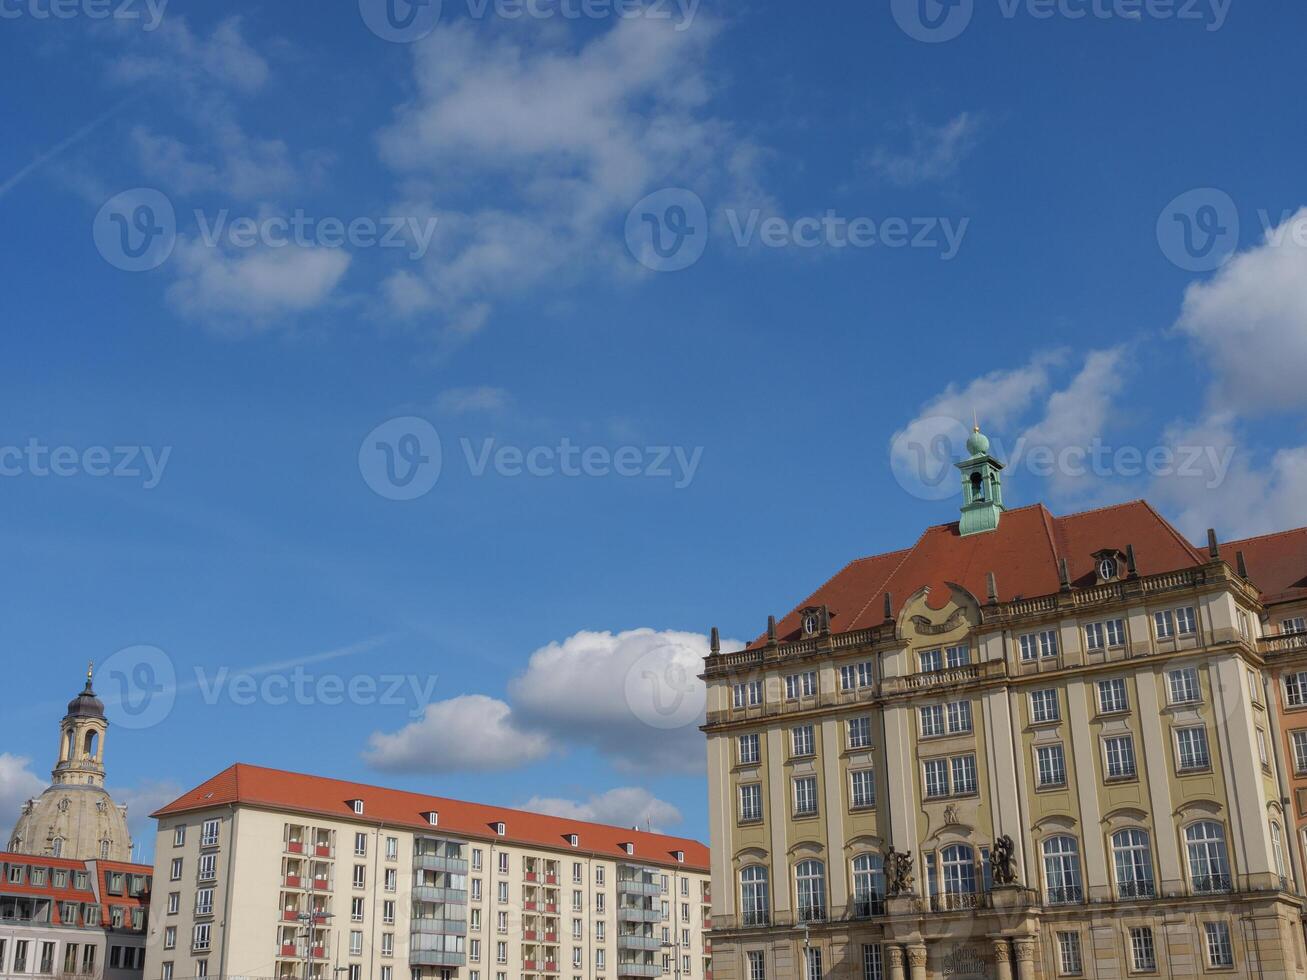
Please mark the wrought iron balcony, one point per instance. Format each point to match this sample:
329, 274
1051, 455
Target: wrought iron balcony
1136, 889
1066, 895
1212, 884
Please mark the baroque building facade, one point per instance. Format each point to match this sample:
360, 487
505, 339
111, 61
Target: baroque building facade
270, 874
1025, 747
75, 817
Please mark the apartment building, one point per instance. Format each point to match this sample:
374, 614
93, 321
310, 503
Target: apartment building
269, 874
72, 919
1025, 746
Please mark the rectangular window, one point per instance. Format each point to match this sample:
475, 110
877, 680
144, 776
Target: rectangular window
801, 741
964, 774
750, 803
174, 902
179, 835
805, 796
930, 660
854, 676
959, 717
387, 944
801, 685
1070, 962
863, 786
1094, 636
388, 912
1183, 685
872, 962
1296, 624
1300, 752
1112, 697
936, 778
957, 656
200, 937
208, 867
812, 964
174, 874
748, 750
360, 844
357, 907
356, 942
932, 720
1039, 645
1050, 762
1186, 623
204, 901
1191, 748
1119, 753
209, 833
747, 695
360, 876
1164, 624
1115, 632
1220, 952
1143, 959
1263, 753
1044, 706
1295, 690
757, 965
859, 733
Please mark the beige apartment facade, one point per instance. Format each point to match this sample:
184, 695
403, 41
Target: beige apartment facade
279, 875
1025, 747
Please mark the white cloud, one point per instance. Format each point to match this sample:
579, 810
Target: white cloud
634, 696
483, 398
934, 152
174, 56
1250, 323
627, 806
235, 163
237, 289
551, 143
18, 784
467, 733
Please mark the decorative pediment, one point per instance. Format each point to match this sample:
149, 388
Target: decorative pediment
807, 848
1124, 816
864, 842
750, 855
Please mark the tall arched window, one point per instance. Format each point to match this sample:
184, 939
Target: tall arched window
1209, 865
810, 877
755, 902
57, 847
959, 865
1133, 861
1277, 846
91, 744
1062, 870
868, 885
104, 850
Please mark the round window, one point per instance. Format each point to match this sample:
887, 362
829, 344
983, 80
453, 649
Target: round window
1107, 569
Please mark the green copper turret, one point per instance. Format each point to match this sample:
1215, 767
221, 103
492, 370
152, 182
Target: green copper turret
982, 487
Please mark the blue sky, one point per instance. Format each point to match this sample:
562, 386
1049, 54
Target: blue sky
895, 232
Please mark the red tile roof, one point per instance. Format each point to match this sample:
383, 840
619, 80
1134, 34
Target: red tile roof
71, 893
318, 795
1277, 563
1023, 553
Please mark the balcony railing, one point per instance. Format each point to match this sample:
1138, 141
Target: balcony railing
435, 957
638, 886
958, 901
439, 862
434, 893
1136, 889
440, 927
1212, 884
626, 913
628, 941
639, 969
1068, 895
866, 906
812, 913
1284, 643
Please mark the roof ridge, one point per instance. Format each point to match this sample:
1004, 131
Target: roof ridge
445, 799
1263, 537
1099, 510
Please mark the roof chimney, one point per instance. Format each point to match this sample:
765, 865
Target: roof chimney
1213, 548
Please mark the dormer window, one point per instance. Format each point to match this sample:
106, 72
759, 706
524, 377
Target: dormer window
357, 805
680, 857
1107, 565
629, 848
1107, 568
433, 818
814, 620
573, 840
500, 829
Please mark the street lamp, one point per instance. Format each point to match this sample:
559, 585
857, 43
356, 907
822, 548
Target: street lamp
307, 918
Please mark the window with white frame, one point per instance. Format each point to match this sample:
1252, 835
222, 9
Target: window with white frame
1191, 748
957, 656
1050, 765
1164, 624
932, 720
1044, 706
1294, 624
1186, 623
757, 965
810, 881
931, 660
1220, 952
1132, 859
873, 962
1183, 685
747, 695
1038, 645
1070, 960
859, 733
805, 796
959, 717
855, 676
1143, 957
1209, 864
801, 741
1295, 689
209, 833
1299, 751
755, 897
936, 778
208, 867
748, 749
1119, 757
750, 802
862, 789
812, 963
1108, 633
1062, 870
1112, 696
801, 685
1263, 750
962, 770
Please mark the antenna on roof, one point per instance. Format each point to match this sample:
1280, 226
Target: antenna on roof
1213, 548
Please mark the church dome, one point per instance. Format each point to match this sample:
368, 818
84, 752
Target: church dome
86, 704
73, 821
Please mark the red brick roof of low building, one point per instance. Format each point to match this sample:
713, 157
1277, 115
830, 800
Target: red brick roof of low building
319, 795
70, 892
1023, 552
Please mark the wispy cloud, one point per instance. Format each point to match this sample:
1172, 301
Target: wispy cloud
932, 153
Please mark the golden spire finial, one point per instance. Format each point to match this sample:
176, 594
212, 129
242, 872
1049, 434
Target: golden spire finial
975, 421
90, 670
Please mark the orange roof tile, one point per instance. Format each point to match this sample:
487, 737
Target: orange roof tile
1277, 563
318, 795
1023, 553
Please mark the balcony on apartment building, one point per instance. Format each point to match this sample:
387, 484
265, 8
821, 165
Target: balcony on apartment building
540, 870
639, 941
301, 839
435, 949
638, 913
639, 968
634, 880
439, 854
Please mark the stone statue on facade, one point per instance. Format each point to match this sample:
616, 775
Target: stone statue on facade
898, 873
1002, 861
